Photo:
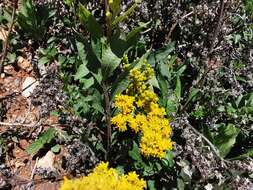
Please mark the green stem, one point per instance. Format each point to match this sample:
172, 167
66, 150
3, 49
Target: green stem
108, 118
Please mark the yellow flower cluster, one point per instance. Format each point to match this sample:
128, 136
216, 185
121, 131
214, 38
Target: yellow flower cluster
140, 111
104, 178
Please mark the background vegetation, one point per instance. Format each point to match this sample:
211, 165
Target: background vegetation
202, 55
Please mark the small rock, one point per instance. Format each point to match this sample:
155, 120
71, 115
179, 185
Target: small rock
2, 75
28, 86
47, 161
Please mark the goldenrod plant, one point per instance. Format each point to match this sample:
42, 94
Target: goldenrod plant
140, 111
104, 178
160, 91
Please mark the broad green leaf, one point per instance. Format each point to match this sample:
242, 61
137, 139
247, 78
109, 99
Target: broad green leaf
97, 106
164, 70
32, 20
43, 139
90, 22
109, 61
120, 84
87, 82
136, 31
226, 138
82, 71
172, 105
135, 153
118, 45
98, 76
81, 52
161, 54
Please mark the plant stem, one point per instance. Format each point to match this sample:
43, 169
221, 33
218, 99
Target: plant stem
218, 26
6, 42
108, 118
210, 144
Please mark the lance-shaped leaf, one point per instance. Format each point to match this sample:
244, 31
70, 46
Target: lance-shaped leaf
226, 139
109, 61
90, 22
43, 139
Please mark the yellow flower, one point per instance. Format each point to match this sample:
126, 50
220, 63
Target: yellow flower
140, 111
124, 103
131, 181
120, 121
154, 144
104, 178
133, 124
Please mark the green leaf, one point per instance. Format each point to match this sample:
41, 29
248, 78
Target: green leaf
82, 71
168, 159
151, 185
248, 154
90, 22
193, 94
133, 36
163, 85
178, 88
68, 2
56, 148
32, 20
109, 61
181, 70
115, 7
81, 52
135, 153
120, 84
180, 184
226, 138
172, 105
44, 138
43, 60
120, 170
122, 81
125, 15
11, 57
55, 113
87, 82
161, 54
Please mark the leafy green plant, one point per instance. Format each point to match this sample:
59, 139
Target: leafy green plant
45, 138
33, 20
